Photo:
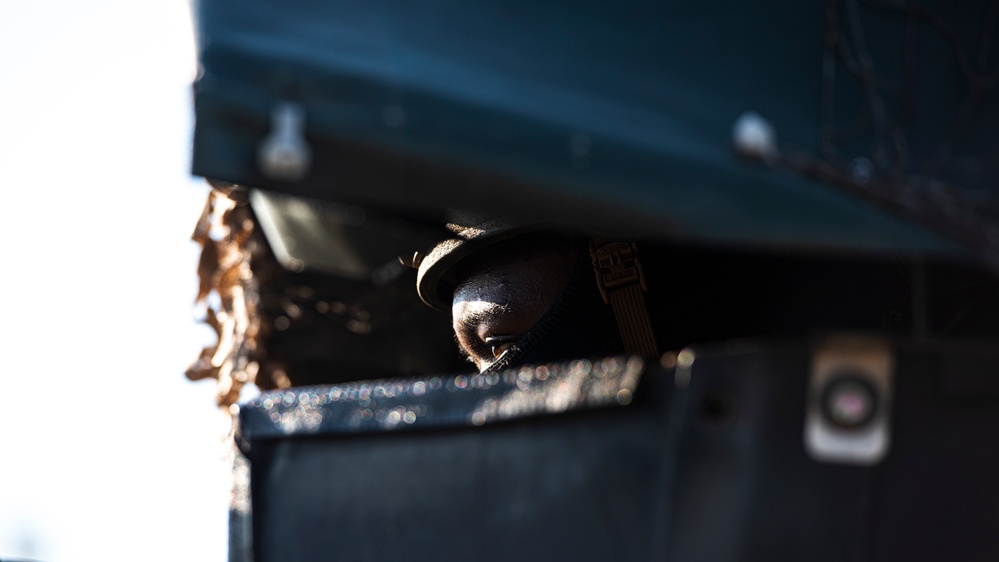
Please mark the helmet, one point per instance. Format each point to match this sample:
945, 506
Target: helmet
473, 232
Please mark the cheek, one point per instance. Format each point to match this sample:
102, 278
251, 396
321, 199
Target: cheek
477, 320
506, 300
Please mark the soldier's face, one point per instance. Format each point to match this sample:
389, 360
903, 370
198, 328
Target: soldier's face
500, 296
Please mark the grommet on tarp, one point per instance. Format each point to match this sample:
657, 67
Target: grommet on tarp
285, 155
754, 136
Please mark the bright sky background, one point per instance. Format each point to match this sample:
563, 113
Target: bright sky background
108, 452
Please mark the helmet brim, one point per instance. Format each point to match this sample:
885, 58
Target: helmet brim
435, 278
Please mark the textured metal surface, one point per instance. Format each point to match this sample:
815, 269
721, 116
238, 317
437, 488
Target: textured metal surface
708, 464
441, 401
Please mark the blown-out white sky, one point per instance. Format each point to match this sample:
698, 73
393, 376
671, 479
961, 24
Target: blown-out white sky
108, 452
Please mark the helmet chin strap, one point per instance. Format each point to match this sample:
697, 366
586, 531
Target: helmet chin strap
622, 285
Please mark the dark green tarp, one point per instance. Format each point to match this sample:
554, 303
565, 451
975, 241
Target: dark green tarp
621, 114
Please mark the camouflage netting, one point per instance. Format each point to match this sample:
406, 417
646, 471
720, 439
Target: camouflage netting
229, 294
279, 328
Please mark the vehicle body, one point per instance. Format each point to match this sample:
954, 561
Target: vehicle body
812, 187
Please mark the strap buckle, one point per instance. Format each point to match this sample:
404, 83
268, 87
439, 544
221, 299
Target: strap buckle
616, 265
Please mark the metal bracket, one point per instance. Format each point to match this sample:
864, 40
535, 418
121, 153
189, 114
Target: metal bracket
285, 154
848, 412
